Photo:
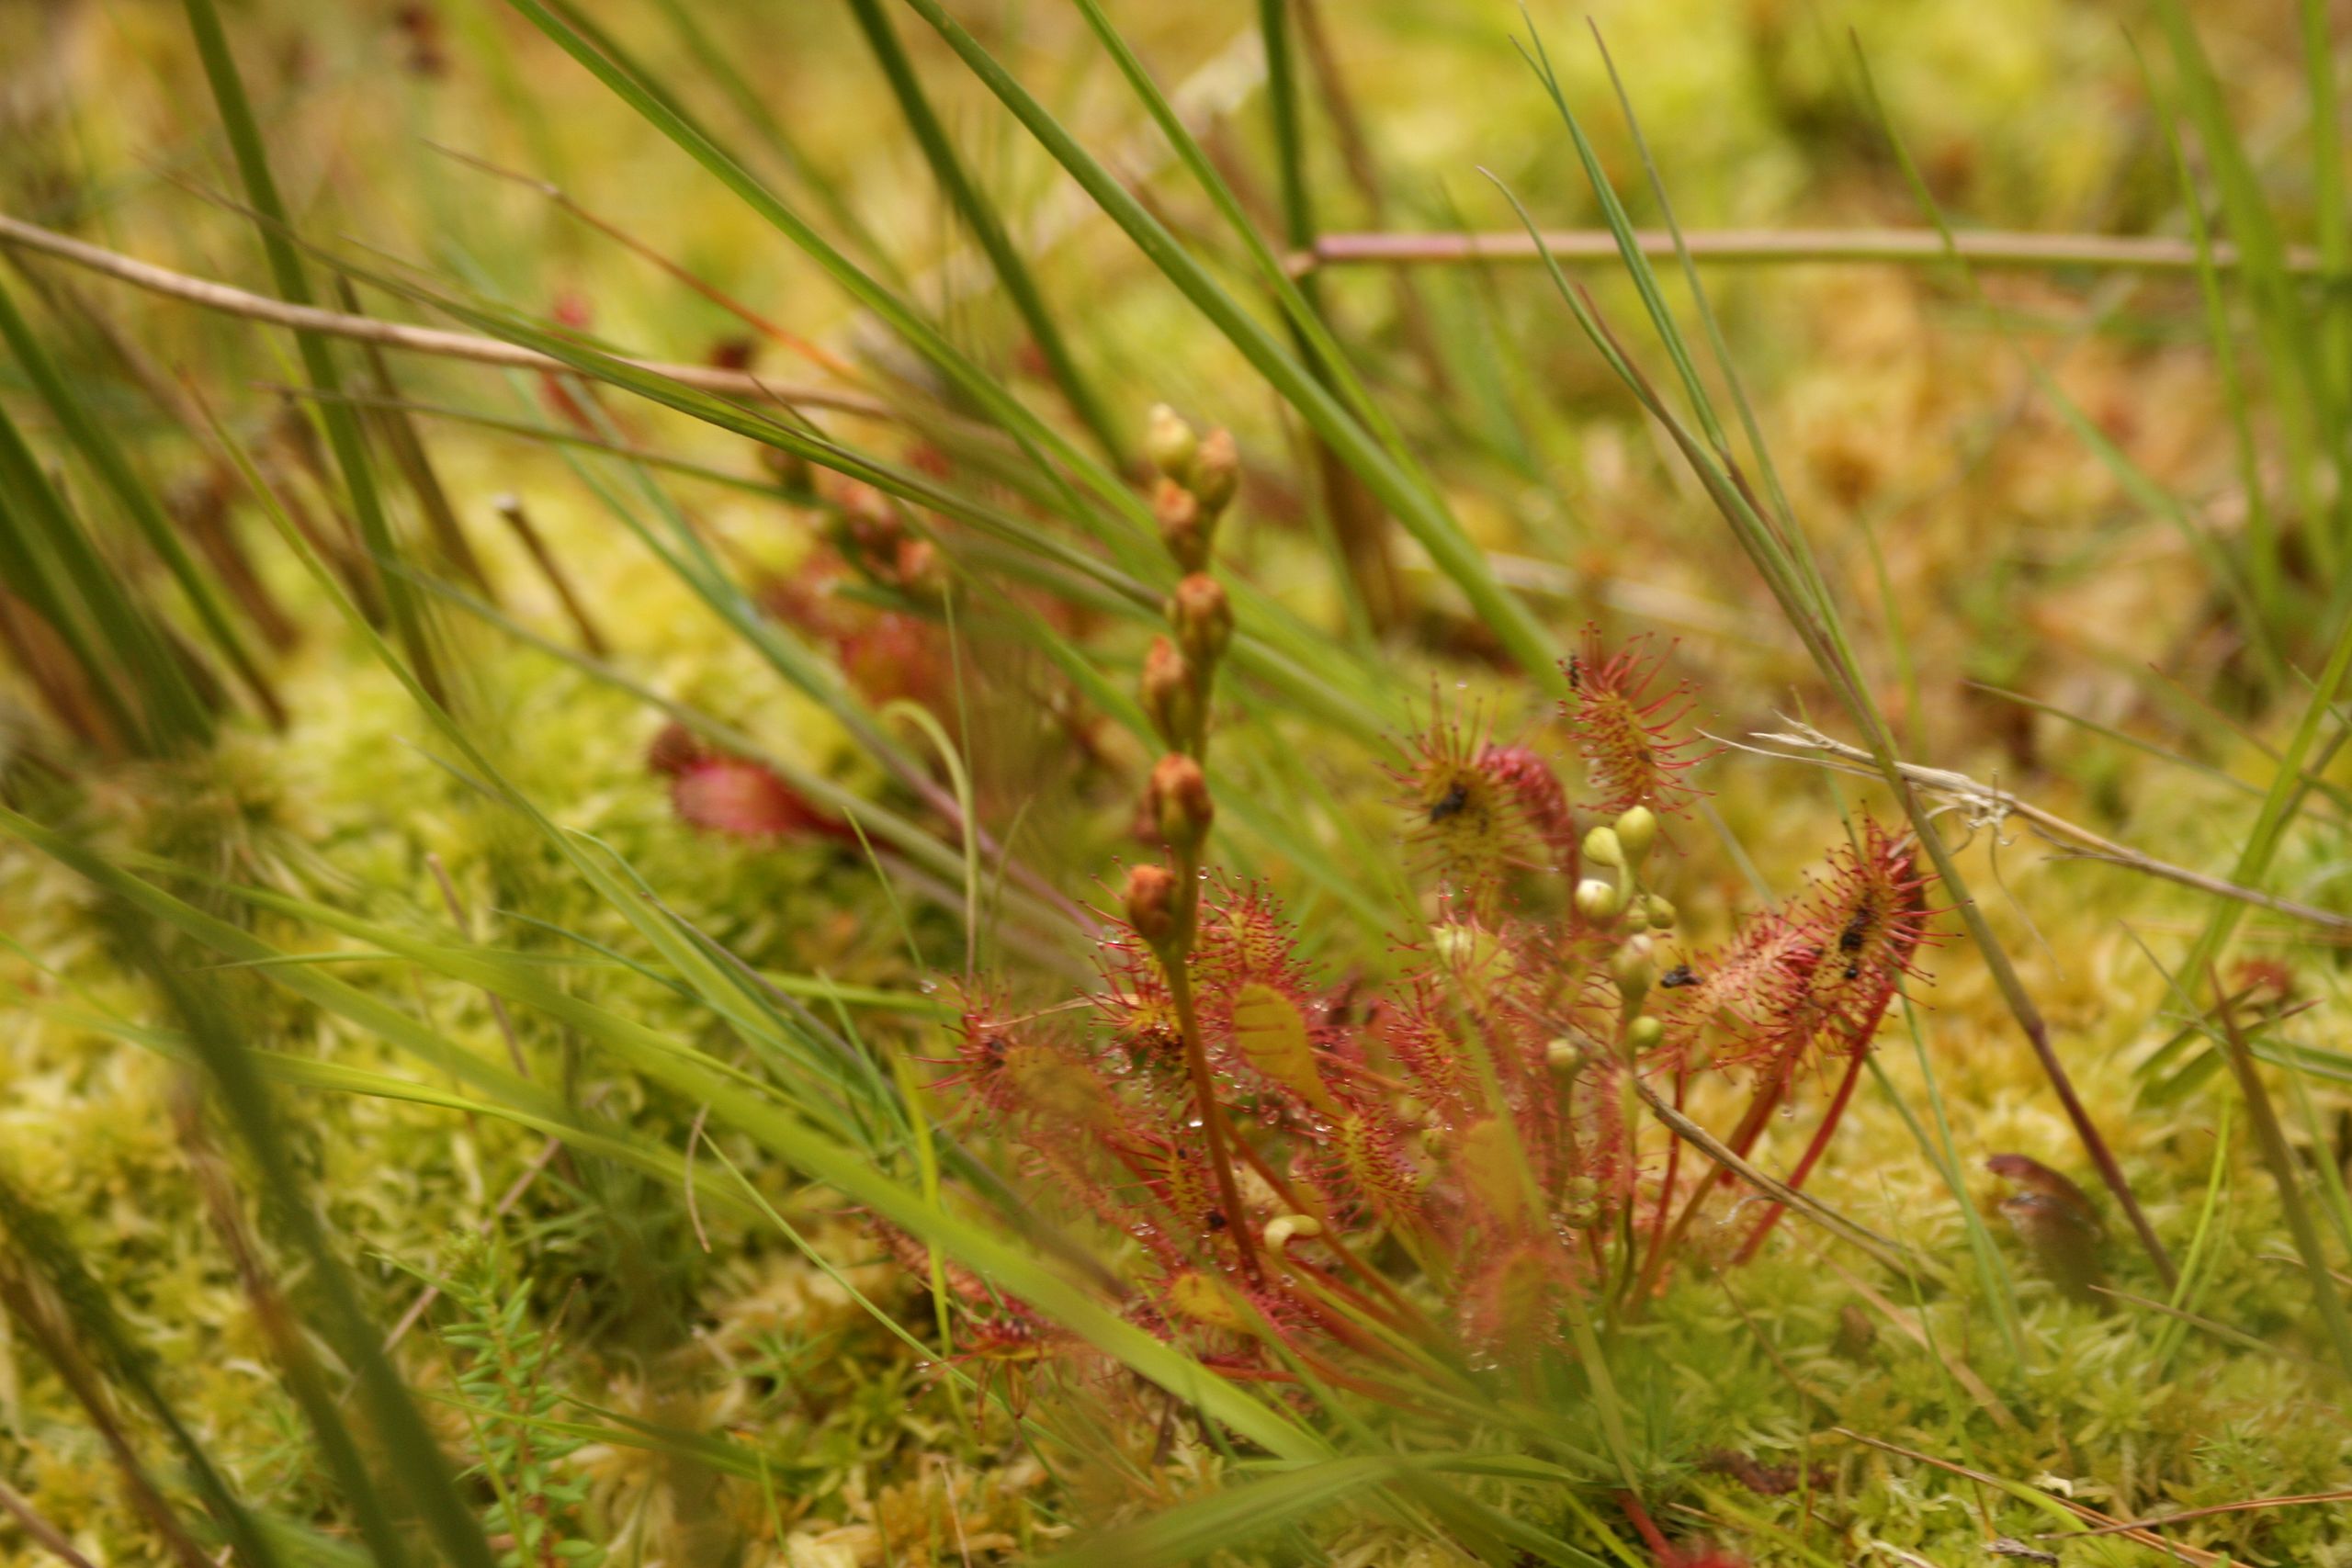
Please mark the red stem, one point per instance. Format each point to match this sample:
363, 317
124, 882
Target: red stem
1666, 1187
1651, 1535
1813, 1151
1743, 1139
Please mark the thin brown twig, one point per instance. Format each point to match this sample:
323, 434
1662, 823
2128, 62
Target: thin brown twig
1782, 246
439, 340
509, 507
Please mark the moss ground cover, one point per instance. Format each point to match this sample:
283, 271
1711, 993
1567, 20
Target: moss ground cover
960, 851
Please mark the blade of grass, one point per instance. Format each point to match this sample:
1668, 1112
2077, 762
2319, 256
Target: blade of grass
981, 216
2280, 318
1226, 1521
89, 595
754, 111
1387, 473
270, 221
408, 1446
2280, 1159
1794, 580
2190, 1291
98, 446
34, 1236
2263, 565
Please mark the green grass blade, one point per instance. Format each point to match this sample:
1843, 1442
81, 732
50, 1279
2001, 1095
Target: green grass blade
1413, 504
407, 1445
35, 1235
91, 606
754, 111
2280, 318
1226, 1520
1796, 582
2263, 566
91, 438
344, 434
981, 216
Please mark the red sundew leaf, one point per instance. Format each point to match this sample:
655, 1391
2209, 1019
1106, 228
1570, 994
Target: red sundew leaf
744, 800
674, 749
1630, 736
1475, 808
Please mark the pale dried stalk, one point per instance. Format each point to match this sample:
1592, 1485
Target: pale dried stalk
1894, 1255
438, 341
1785, 246
1989, 805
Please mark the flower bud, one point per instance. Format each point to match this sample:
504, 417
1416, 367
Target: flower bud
1217, 471
1636, 831
1596, 900
1185, 526
1170, 441
1180, 804
1601, 848
1202, 618
1169, 694
1644, 1033
1658, 912
1150, 899
1635, 966
1562, 1055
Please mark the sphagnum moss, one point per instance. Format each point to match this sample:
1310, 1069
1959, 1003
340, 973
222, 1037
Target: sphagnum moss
823, 1437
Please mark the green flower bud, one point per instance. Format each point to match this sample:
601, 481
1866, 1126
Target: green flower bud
1660, 914
1596, 900
1635, 966
1636, 831
1644, 1033
1281, 1229
1169, 442
1601, 848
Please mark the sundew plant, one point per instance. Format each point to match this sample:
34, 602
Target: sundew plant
906, 782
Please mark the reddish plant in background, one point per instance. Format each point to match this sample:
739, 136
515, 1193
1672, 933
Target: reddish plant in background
724, 793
